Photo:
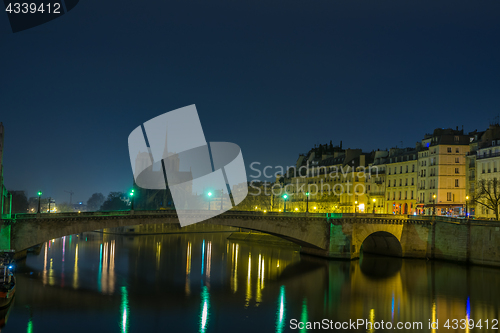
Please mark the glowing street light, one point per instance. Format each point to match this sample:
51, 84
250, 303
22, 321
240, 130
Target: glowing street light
39, 195
307, 202
132, 199
284, 198
374, 200
209, 195
466, 206
434, 204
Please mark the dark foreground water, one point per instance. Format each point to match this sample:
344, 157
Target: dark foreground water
206, 283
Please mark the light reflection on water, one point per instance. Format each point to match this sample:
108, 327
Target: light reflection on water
206, 283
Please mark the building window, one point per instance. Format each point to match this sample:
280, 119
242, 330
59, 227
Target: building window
457, 159
456, 170
457, 150
395, 171
449, 149
401, 169
399, 195
368, 187
394, 182
457, 138
412, 181
412, 195
413, 168
448, 196
407, 169
400, 182
406, 195
456, 182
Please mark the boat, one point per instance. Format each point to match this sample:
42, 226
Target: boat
7, 278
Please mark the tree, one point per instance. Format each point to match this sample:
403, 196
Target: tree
487, 194
95, 202
64, 208
114, 202
19, 202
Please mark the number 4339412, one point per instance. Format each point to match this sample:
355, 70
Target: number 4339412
470, 323
25, 8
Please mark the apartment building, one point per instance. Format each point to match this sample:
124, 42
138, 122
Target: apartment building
441, 172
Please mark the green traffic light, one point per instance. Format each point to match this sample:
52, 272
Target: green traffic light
131, 194
307, 193
209, 194
285, 196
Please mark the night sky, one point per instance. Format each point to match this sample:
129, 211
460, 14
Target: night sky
274, 77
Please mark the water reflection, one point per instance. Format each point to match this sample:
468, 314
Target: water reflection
280, 321
205, 307
207, 283
124, 310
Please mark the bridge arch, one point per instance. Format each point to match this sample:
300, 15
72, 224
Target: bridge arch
382, 242
379, 238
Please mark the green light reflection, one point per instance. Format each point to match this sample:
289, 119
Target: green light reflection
124, 310
205, 307
303, 316
99, 272
280, 316
30, 326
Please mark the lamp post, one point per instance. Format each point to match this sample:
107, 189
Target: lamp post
374, 205
466, 206
307, 202
355, 206
49, 205
434, 204
209, 195
132, 200
284, 199
39, 195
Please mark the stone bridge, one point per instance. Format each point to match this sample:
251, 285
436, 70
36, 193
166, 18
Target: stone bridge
340, 236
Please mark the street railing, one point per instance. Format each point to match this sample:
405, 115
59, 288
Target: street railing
173, 213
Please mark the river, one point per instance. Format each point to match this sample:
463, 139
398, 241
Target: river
203, 282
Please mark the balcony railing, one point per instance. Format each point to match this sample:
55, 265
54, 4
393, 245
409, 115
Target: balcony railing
479, 157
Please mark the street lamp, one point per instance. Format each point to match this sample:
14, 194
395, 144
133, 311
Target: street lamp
434, 204
132, 198
466, 206
49, 204
307, 202
39, 195
284, 206
374, 200
355, 206
209, 195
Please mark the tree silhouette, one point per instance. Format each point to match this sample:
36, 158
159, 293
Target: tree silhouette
487, 194
95, 202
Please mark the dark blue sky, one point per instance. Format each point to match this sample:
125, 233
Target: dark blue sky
274, 77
